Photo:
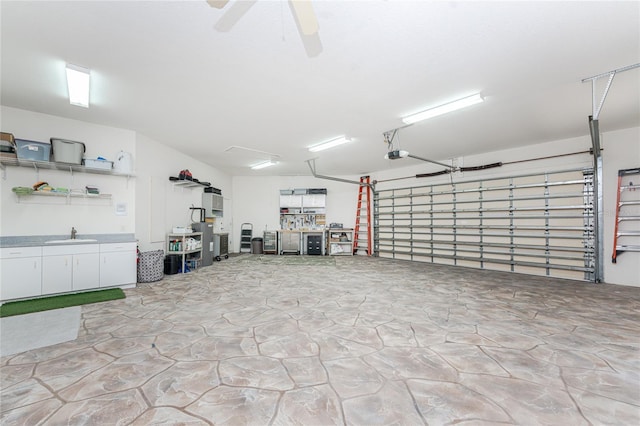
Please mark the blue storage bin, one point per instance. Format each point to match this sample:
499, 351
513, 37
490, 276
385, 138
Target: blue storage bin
32, 150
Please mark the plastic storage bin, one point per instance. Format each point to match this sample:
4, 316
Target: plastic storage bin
98, 164
172, 264
32, 150
66, 151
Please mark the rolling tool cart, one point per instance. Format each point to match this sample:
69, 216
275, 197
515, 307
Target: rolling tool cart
246, 232
220, 246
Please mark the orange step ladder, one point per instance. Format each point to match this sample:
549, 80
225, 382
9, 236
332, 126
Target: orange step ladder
630, 234
362, 238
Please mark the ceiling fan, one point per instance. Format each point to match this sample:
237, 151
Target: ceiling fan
302, 11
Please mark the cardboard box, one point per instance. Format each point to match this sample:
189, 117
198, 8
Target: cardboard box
7, 137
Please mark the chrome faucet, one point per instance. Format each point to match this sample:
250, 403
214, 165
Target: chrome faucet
73, 233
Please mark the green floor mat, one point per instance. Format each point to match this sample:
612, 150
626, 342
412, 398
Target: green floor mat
57, 302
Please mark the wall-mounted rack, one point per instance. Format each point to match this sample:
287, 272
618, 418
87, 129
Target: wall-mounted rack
49, 165
66, 195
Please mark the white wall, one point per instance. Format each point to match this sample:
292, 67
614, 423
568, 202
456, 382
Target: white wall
547, 149
53, 216
160, 204
257, 198
621, 151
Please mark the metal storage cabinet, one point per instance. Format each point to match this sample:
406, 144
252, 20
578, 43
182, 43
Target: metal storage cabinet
220, 246
289, 242
314, 244
213, 204
270, 242
207, 241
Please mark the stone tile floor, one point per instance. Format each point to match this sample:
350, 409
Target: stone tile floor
344, 340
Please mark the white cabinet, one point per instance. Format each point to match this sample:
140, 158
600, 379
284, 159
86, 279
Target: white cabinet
303, 209
20, 272
117, 264
56, 273
213, 204
34, 271
86, 271
70, 268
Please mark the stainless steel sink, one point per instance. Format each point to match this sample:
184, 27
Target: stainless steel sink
72, 241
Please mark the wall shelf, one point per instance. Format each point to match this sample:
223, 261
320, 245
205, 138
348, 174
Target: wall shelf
50, 165
187, 184
63, 194
68, 196
340, 242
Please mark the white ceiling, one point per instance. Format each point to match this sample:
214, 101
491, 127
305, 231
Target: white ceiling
162, 69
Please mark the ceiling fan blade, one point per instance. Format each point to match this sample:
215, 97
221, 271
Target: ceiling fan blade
233, 15
312, 44
218, 4
305, 16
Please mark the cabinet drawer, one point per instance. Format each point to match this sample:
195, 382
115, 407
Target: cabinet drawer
113, 247
18, 252
70, 249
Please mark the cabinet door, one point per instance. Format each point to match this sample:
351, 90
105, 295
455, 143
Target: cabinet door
86, 271
117, 268
56, 273
20, 277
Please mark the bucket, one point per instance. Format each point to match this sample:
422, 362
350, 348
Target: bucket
172, 264
256, 246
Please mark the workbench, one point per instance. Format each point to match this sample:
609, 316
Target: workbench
296, 241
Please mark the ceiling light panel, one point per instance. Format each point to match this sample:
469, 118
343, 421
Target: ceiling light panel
443, 109
78, 84
263, 165
329, 144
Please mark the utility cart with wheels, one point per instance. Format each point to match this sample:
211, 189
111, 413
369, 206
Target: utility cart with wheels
246, 232
220, 246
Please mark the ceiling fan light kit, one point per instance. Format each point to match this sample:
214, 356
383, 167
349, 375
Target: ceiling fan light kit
443, 109
329, 144
78, 84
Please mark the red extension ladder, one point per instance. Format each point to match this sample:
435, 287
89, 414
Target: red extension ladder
362, 238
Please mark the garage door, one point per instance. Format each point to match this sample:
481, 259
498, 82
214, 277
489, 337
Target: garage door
541, 224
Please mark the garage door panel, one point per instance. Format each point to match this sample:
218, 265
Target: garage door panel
539, 224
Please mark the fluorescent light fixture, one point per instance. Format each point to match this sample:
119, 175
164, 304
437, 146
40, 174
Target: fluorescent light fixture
78, 80
329, 144
443, 109
263, 165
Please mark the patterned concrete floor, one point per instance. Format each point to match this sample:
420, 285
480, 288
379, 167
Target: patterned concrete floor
347, 340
